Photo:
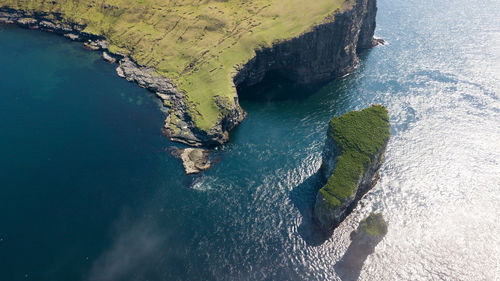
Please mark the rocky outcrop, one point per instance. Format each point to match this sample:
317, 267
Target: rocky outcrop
327, 51
329, 218
107, 57
179, 125
194, 160
362, 137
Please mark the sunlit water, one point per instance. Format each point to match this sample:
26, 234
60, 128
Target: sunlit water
90, 192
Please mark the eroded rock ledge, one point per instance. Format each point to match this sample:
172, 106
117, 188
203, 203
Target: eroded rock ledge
353, 153
328, 51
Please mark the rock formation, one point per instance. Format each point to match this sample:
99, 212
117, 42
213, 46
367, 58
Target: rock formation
353, 153
194, 160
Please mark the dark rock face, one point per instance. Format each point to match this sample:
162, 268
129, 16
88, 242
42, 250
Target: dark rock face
328, 51
366, 40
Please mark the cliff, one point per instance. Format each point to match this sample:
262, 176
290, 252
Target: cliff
328, 51
353, 153
194, 55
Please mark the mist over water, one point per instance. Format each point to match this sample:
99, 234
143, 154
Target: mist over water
89, 190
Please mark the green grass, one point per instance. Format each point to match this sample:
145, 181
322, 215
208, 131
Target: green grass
374, 224
359, 135
198, 44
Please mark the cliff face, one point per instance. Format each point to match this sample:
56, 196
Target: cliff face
366, 40
328, 51
344, 186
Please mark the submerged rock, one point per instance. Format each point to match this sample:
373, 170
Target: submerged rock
194, 160
353, 153
371, 230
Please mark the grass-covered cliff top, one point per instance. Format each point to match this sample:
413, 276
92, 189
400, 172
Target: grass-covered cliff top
198, 44
359, 136
374, 224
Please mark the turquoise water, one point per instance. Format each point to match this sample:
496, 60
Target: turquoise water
89, 190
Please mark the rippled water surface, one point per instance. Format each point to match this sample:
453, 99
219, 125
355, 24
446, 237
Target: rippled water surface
90, 192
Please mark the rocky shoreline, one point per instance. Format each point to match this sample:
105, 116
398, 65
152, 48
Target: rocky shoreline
145, 77
326, 52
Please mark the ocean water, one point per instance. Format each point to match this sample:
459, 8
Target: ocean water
89, 190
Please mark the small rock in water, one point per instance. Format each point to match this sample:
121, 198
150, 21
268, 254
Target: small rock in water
194, 160
378, 41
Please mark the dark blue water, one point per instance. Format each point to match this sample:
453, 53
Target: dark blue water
89, 190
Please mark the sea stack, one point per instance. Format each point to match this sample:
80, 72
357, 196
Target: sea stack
353, 153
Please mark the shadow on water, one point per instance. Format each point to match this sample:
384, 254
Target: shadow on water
349, 266
303, 197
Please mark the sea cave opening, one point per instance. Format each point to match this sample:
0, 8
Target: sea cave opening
275, 86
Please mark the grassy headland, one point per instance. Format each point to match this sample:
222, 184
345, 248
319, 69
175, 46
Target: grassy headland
198, 45
359, 136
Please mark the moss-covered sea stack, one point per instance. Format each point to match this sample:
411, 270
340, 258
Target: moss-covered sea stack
193, 53
353, 153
